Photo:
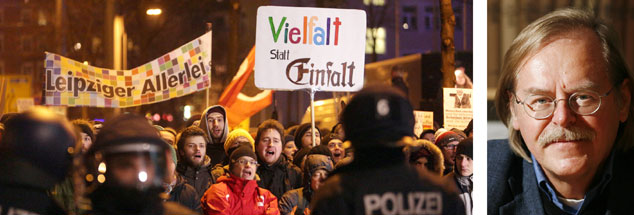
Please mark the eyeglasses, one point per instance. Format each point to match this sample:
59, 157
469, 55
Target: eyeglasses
584, 103
244, 162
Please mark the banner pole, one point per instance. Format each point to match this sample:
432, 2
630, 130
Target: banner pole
209, 26
312, 113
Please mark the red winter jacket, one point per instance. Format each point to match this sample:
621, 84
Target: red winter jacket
233, 195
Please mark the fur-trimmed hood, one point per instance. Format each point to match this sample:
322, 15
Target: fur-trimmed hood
425, 148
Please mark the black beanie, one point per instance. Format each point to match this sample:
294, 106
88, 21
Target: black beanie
378, 116
299, 133
242, 151
465, 147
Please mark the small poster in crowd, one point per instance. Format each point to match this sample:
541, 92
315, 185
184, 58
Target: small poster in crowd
457, 107
424, 121
180, 72
302, 47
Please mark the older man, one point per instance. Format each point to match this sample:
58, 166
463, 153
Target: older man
565, 96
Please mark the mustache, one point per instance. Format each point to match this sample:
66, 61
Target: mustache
575, 133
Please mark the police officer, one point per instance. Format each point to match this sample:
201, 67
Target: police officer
35, 154
379, 121
125, 169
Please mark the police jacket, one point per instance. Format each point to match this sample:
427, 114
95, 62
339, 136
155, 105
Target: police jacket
381, 182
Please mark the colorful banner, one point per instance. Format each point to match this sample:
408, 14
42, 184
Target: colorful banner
457, 107
180, 72
303, 47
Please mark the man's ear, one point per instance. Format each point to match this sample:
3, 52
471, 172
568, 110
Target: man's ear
511, 107
626, 98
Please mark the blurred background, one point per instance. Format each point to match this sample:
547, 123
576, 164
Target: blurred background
507, 18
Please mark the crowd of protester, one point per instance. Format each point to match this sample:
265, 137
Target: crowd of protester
126, 165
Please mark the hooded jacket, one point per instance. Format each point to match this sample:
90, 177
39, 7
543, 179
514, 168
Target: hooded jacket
434, 155
233, 195
280, 177
215, 148
199, 178
297, 201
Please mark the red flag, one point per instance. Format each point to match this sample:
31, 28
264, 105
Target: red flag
240, 106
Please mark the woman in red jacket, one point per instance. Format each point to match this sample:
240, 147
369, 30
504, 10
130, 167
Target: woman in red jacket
239, 193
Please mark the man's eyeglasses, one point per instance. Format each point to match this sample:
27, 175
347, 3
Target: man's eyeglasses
244, 162
586, 102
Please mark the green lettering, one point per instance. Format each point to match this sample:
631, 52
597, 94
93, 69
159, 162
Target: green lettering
276, 34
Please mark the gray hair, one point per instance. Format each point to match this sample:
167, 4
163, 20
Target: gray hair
537, 35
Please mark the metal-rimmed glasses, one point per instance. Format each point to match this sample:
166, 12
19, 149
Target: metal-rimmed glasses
585, 102
244, 162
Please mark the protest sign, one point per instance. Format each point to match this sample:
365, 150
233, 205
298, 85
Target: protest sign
302, 47
180, 72
457, 107
423, 120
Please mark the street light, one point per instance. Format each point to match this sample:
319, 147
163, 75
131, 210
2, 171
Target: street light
153, 11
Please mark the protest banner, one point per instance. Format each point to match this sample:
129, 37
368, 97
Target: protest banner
423, 120
180, 72
302, 48
457, 107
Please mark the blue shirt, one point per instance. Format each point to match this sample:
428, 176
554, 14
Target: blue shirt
547, 188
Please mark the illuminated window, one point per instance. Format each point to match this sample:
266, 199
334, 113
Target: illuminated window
374, 2
380, 40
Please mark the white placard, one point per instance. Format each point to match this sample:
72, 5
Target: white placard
302, 47
457, 107
423, 120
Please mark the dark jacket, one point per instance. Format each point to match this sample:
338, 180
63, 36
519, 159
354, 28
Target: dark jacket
296, 201
280, 177
233, 195
465, 188
199, 178
512, 186
184, 194
215, 148
382, 181
31, 200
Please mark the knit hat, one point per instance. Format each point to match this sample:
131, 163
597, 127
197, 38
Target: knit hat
465, 147
329, 137
242, 151
447, 137
233, 136
174, 157
378, 116
288, 138
299, 133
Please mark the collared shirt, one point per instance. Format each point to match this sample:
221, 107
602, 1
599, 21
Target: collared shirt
546, 187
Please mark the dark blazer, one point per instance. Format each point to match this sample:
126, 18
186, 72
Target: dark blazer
512, 186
